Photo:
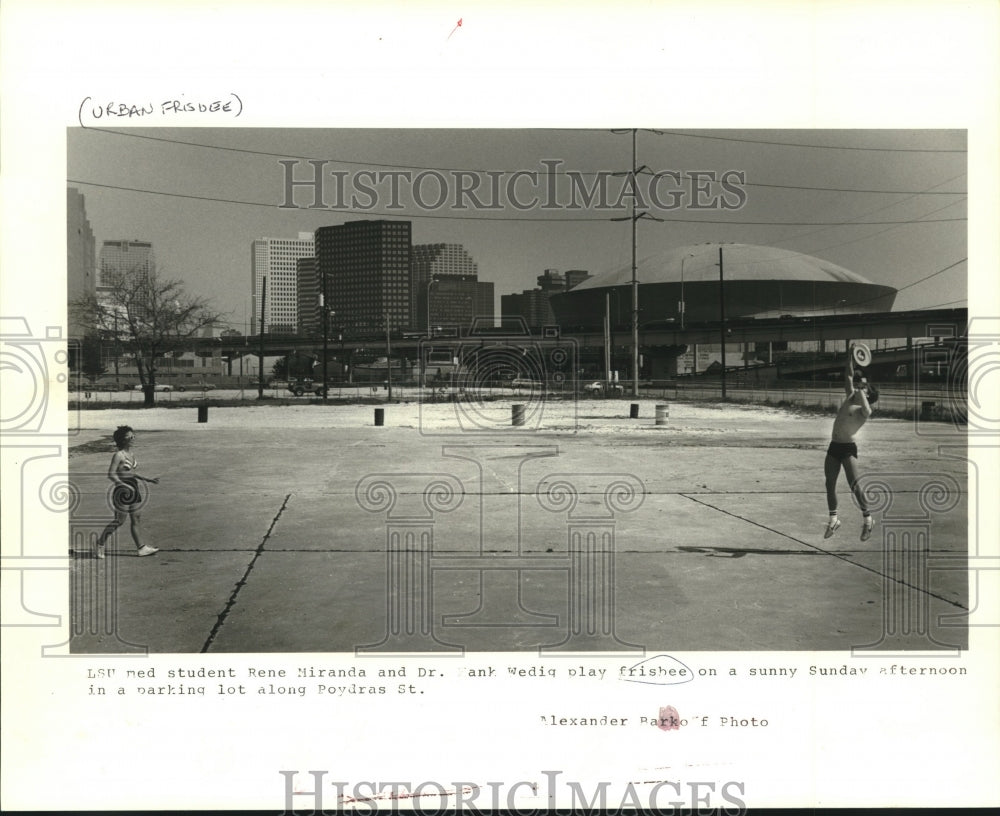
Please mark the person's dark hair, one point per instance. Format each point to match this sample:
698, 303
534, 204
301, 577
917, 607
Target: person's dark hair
872, 395
119, 435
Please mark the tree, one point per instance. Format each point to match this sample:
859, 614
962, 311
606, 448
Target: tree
148, 316
280, 368
91, 365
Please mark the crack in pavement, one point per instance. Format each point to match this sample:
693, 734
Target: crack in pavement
246, 575
830, 553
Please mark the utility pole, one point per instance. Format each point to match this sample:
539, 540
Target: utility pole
116, 352
326, 329
634, 216
388, 357
635, 285
260, 340
607, 338
722, 321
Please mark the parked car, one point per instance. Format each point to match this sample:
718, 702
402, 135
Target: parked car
162, 387
199, 386
299, 387
100, 385
524, 382
598, 387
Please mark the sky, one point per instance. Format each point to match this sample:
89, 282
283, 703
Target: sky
890, 205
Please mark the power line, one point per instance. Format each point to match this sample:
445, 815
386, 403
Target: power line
861, 238
949, 303
812, 146
933, 274
332, 210
853, 190
382, 214
540, 173
901, 289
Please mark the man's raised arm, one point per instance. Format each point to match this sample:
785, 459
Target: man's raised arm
849, 372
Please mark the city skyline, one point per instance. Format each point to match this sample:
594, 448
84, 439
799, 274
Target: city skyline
889, 205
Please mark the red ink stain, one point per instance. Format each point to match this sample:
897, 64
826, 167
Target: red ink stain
669, 719
458, 25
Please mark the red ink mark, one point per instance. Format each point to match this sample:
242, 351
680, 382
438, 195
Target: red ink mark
669, 719
458, 25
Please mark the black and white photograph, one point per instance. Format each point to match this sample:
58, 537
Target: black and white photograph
499, 409
518, 390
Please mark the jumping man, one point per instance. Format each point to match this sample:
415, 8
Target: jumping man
843, 450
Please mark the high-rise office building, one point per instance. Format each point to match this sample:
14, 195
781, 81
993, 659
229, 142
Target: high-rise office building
533, 304
435, 261
446, 288
454, 300
129, 258
129, 263
309, 314
366, 269
81, 257
276, 259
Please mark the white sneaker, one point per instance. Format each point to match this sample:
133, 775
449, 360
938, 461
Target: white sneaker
831, 527
147, 550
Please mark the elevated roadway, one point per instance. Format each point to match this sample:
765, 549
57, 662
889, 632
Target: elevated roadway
836, 328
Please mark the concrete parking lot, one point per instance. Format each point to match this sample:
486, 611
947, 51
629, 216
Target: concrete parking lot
307, 528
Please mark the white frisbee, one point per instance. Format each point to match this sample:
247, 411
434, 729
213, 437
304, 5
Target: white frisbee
862, 354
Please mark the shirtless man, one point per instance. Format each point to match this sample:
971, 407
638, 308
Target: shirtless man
843, 450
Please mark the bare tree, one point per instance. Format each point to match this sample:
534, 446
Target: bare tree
148, 316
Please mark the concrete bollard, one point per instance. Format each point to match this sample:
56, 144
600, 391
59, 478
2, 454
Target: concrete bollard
662, 414
517, 414
203, 413
380, 416
634, 411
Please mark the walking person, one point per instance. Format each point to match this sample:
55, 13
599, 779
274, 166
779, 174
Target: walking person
843, 450
126, 496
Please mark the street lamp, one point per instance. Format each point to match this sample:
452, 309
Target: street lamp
326, 334
683, 305
430, 331
430, 283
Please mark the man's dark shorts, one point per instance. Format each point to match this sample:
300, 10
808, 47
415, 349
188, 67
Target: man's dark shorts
842, 450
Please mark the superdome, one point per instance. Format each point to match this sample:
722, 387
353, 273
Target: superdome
759, 282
